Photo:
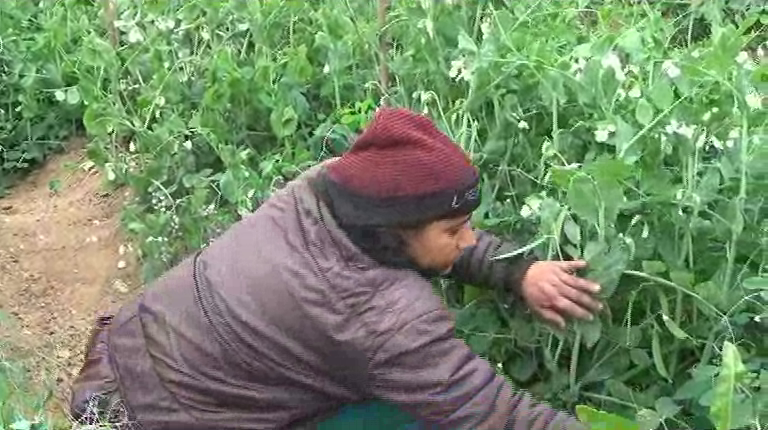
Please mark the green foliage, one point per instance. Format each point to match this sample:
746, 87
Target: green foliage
630, 135
21, 407
40, 104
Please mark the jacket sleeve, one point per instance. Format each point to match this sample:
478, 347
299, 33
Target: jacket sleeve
476, 267
427, 371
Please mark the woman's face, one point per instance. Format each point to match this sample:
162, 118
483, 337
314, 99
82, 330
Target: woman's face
439, 244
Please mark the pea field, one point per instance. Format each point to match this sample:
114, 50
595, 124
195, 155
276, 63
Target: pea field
631, 133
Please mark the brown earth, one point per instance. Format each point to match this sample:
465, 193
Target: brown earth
63, 260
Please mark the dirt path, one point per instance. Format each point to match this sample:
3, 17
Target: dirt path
62, 260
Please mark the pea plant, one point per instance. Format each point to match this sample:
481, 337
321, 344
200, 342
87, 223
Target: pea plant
630, 134
40, 105
642, 156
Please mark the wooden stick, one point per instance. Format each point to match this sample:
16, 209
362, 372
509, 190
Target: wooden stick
110, 16
383, 49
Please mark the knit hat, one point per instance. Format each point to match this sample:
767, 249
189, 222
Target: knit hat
401, 170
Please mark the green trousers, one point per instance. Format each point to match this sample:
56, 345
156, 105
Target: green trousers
371, 415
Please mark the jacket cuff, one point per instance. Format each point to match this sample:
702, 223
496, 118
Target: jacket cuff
509, 274
478, 267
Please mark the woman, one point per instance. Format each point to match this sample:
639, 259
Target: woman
318, 306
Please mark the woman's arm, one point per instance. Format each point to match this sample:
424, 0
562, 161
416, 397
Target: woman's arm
476, 266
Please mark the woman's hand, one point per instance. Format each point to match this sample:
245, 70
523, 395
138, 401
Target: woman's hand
552, 291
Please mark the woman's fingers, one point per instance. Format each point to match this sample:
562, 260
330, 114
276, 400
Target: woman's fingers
580, 297
579, 283
552, 317
572, 266
568, 306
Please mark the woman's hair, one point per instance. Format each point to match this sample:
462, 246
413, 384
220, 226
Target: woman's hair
384, 244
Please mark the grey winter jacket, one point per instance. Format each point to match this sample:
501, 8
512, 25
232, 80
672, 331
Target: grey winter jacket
282, 320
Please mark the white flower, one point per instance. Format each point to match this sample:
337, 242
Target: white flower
531, 206
742, 58
165, 24
134, 35
459, 70
602, 135
577, 68
485, 27
670, 69
754, 101
675, 127
635, 92
611, 60
523, 125
603, 132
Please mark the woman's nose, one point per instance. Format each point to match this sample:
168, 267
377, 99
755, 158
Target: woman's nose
467, 237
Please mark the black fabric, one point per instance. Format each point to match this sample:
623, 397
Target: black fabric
381, 244
354, 209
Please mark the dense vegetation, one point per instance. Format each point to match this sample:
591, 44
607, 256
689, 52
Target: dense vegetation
631, 134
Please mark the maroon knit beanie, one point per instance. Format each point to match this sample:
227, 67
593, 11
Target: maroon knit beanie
401, 171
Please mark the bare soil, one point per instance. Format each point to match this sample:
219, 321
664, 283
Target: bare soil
63, 261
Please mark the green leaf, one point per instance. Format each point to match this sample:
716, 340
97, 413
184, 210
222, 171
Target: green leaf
606, 266
731, 370
666, 407
648, 419
662, 94
471, 293
698, 385
590, 331
523, 369
479, 344
592, 249
21, 424
639, 357
644, 112
625, 134
654, 267
466, 43
692, 389
228, 187
632, 42
572, 231
599, 420
682, 278
284, 122
581, 198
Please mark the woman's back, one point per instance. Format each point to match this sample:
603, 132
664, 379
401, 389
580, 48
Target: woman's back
271, 329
